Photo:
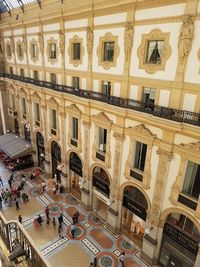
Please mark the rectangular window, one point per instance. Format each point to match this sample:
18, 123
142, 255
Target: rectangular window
20, 50
75, 128
75, 82
12, 101
9, 51
53, 113
11, 70
154, 52
21, 72
34, 50
52, 50
191, 185
108, 51
140, 156
102, 139
37, 112
35, 75
23, 106
106, 88
148, 98
76, 51
53, 77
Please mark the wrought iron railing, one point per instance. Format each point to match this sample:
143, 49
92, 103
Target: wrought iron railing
12, 234
155, 110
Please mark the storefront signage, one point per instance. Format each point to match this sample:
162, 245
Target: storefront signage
101, 185
181, 238
75, 168
135, 208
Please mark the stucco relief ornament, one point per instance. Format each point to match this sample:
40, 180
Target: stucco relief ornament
89, 40
185, 38
24, 43
1, 44
12, 44
128, 39
62, 41
41, 42
193, 147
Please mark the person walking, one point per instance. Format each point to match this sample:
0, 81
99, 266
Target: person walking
1, 181
60, 231
121, 258
48, 221
1, 200
75, 217
72, 230
35, 223
43, 185
17, 203
20, 218
54, 223
10, 182
60, 219
95, 262
39, 219
47, 211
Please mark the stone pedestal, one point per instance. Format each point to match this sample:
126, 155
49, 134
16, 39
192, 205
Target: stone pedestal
112, 220
148, 249
85, 199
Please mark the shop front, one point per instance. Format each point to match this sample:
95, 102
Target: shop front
27, 133
101, 192
179, 243
55, 157
75, 174
40, 150
16, 123
134, 214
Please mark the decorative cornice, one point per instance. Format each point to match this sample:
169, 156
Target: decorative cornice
74, 108
52, 102
142, 130
102, 117
193, 147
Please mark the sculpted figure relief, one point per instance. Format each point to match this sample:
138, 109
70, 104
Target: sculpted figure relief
89, 40
62, 41
41, 42
185, 38
1, 44
128, 39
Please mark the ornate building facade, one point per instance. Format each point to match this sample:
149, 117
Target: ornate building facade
109, 91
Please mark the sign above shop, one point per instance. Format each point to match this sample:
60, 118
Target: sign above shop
181, 238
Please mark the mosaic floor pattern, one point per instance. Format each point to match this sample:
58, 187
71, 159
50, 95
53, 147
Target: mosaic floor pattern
92, 239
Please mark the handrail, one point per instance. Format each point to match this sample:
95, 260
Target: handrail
182, 116
12, 229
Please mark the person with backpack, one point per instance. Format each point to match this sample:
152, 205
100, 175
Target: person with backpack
60, 219
121, 258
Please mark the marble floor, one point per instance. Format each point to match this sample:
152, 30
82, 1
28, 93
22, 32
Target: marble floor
92, 238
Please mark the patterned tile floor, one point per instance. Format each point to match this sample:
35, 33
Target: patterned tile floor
92, 239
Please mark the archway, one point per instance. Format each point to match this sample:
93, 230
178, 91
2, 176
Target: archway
101, 192
16, 126
27, 133
179, 242
40, 150
134, 214
55, 156
76, 180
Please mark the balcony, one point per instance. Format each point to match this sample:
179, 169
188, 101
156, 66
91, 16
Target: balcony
182, 116
20, 245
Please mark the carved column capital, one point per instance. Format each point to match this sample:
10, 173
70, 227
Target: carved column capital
164, 154
118, 136
86, 123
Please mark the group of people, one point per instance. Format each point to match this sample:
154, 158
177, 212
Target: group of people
14, 194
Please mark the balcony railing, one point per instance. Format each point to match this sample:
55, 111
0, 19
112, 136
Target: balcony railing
13, 235
155, 110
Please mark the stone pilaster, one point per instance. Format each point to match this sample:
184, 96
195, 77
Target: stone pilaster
113, 219
85, 192
197, 262
152, 241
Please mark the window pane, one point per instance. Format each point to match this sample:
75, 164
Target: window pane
76, 82
106, 87
108, 51
54, 126
77, 54
154, 52
75, 128
34, 51
23, 106
22, 72
102, 139
191, 185
140, 156
52, 50
37, 112
13, 101
53, 78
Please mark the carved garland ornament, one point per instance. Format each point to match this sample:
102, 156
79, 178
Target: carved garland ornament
62, 41
128, 40
154, 35
108, 37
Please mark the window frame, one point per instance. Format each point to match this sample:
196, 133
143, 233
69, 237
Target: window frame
75, 40
106, 56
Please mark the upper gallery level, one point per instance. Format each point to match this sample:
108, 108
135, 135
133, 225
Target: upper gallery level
147, 51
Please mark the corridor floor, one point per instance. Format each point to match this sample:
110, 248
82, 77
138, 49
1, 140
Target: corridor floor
92, 239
